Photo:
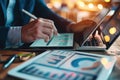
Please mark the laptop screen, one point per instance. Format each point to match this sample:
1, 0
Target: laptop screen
98, 19
111, 30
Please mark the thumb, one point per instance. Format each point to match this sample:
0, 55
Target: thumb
55, 31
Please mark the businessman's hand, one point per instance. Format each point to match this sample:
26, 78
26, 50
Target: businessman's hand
78, 28
81, 26
38, 29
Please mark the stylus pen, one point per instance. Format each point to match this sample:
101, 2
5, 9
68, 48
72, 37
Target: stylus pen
29, 14
9, 61
50, 40
34, 17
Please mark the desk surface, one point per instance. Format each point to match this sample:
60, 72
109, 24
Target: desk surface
3, 73
115, 75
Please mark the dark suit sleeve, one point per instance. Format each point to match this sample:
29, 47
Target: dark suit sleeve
3, 36
41, 10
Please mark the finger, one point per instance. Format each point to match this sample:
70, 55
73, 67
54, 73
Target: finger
48, 31
32, 19
31, 25
45, 20
55, 31
38, 29
45, 37
39, 25
90, 37
40, 36
96, 34
52, 23
45, 23
98, 38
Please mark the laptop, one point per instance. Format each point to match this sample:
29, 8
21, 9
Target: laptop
66, 40
65, 65
109, 32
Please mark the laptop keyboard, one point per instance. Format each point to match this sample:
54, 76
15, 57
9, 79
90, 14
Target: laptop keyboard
92, 42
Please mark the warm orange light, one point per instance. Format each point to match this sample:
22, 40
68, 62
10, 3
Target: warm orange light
88, 0
106, 63
107, 0
112, 30
90, 5
70, 3
82, 4
56, 3
107, 38
100, 6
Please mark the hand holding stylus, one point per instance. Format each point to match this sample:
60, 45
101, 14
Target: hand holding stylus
38, 29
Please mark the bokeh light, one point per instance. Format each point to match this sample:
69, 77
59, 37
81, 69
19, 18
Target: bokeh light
107, 38
82, 4
107, 0
90, 5
112, 30
100, 6
106, 63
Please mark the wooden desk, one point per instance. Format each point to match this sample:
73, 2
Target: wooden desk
4, 76
3, 73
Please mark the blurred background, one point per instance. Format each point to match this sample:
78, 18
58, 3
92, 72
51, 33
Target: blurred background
77, 10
